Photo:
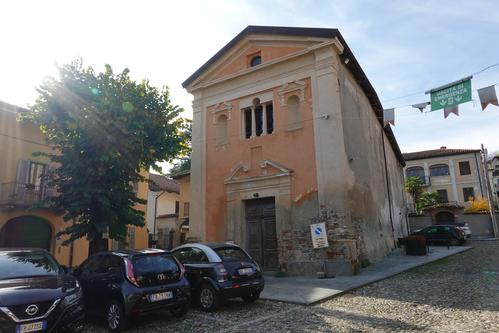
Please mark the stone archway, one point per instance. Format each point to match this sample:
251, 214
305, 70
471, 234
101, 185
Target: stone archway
26, 231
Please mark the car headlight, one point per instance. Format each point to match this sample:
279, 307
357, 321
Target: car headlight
74, 297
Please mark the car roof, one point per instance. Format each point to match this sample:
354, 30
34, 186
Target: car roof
209, 249
135, 252
23, 249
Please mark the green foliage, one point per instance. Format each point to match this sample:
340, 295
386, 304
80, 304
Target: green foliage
184, 163
414, 186
428, 199
105, 129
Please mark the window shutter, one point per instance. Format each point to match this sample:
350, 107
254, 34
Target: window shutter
22, 172
21, 179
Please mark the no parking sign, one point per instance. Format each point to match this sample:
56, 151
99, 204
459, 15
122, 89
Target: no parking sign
319, 235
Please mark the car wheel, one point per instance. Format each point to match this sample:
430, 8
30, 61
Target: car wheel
180, 311
209, 298
115, 317
251, 298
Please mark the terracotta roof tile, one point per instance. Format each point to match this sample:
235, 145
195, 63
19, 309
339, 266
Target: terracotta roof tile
417, 155
162, 183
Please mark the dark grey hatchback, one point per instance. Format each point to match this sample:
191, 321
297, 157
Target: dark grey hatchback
220, 271
36, 294
125, 283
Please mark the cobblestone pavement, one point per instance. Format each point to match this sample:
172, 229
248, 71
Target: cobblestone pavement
455, 294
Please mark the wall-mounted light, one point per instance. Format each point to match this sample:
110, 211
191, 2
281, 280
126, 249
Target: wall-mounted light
256, 195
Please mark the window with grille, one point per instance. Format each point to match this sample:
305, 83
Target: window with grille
443, 195
439, 170
464, 168
468, 193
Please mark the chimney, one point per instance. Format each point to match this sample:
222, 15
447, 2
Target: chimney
443, 147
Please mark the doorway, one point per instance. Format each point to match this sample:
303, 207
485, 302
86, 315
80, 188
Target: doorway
261, 235
444, 218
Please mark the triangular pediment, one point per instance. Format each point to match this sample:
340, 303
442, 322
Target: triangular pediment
271, 48
266, 169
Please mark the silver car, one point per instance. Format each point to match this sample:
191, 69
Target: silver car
466, 228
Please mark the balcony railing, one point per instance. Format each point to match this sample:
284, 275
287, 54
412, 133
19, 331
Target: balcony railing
21, 194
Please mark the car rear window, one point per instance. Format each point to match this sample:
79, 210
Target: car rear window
26, 264
154, 263
231, 254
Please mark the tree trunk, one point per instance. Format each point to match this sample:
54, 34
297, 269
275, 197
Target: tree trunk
98, 244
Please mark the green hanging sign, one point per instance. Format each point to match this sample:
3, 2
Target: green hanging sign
451, 94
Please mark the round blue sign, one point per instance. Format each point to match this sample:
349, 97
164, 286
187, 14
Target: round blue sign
318, 231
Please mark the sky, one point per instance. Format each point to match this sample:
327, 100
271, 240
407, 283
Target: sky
404, 47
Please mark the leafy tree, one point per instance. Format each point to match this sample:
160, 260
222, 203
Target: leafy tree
105, 129
428, 199
184, 163
414, 186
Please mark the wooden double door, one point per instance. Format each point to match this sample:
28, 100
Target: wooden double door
261, 235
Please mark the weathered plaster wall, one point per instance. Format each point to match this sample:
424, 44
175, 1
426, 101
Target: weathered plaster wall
376, 220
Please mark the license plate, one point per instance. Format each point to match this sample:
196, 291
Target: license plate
161, 296
32, 327
245, 271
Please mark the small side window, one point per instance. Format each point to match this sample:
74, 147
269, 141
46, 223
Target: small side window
255, 61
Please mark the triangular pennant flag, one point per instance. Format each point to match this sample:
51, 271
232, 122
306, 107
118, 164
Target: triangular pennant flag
487, 96
448, 111
421, 106
388, 117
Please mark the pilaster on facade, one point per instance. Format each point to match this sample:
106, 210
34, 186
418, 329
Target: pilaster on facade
331, 157
452, 171
197, 227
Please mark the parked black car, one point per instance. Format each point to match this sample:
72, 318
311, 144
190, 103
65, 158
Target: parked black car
36, 294
220, 271
125, 283
442, 234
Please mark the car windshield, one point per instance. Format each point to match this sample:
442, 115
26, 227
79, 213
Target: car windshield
231, 254
147, 264
27, 264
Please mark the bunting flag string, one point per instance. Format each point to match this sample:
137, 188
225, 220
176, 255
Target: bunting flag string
448, 97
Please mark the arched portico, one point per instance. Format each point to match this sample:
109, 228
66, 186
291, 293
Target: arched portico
26, 231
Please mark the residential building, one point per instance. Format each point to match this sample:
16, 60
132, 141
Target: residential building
288, 132
163, 207
21, 186
457, 175
493, 167
184, 180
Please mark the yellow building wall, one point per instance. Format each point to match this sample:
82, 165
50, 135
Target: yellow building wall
18, 141
185, 194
